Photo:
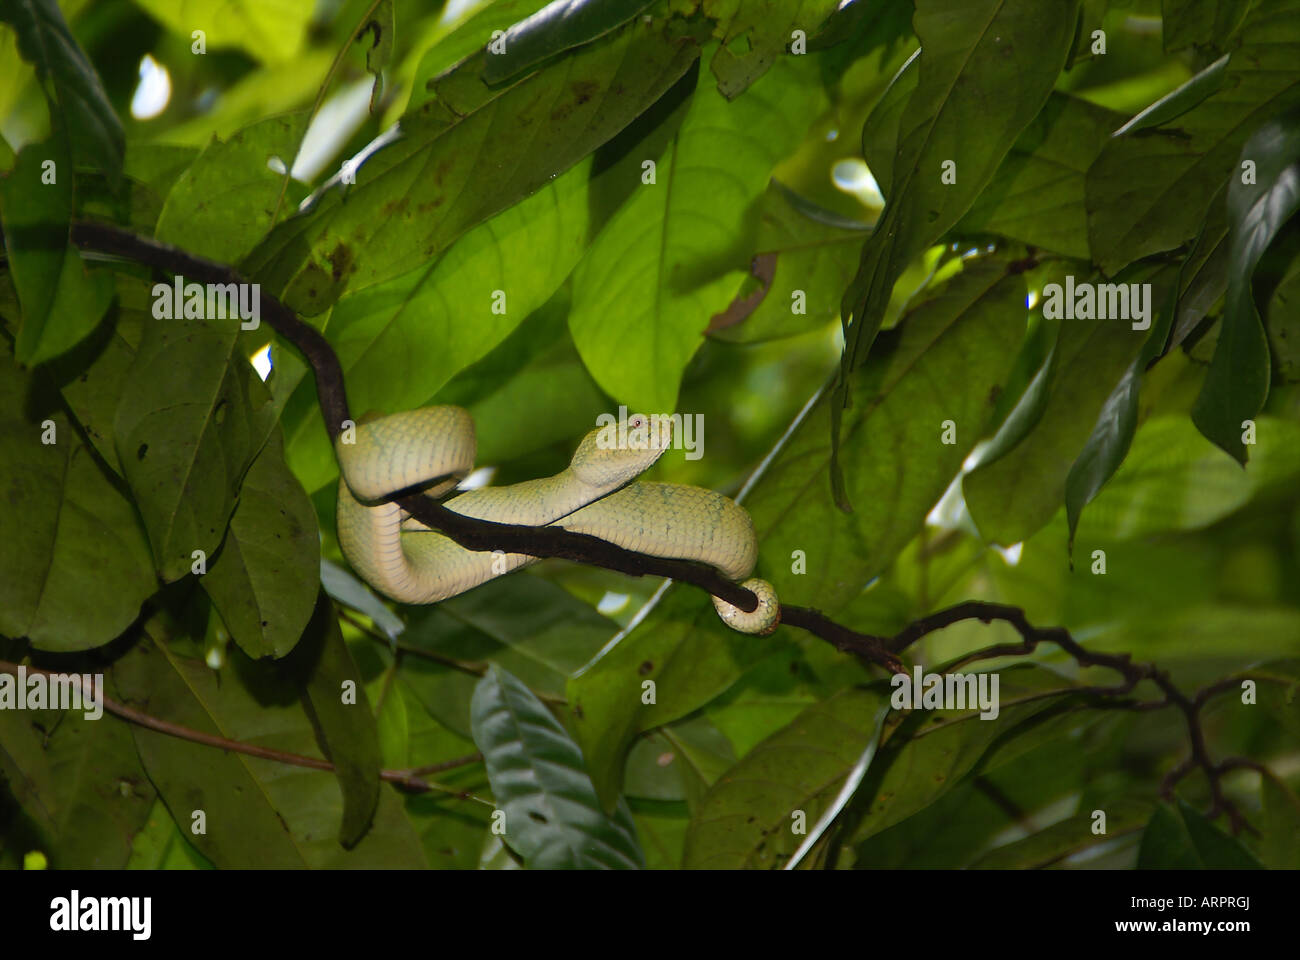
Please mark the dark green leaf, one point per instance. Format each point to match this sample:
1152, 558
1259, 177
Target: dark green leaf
258, 813
450, 159
756, 33
749, 818
79, 108
1149, 190
1005, 50
1201, 22
1037, 194
381, 29
552, 815
265, 579
76, 564
1237, 384
62, 300
557, 27
222, 205
342, 716
79, 781
189, 423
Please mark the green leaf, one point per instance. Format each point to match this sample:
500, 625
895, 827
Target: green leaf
1173, 479
76, 564
272, 31
189, 423
685, 650
746, 819
222, 205
1284, 325
342, 715
1015, 495
79, 108
1181, 838
552, 815
1004, 51
1178, 102
1237, 384
450, 159
265, 578
934, 750
1150, 189
79, 781
532, 627
1189, 23
1067, 837
1037, 194
767, 27
62, 300
557, 27
469, 37
1280, 833
162, 846
964, 337
350, 591
257, 813
668, 259
809, 255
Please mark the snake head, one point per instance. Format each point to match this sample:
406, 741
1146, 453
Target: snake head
610, 457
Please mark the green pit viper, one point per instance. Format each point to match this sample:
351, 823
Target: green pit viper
597, 495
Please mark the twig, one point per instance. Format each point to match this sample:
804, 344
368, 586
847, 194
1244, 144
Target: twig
406, 779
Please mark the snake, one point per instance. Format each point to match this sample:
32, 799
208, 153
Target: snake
432, 449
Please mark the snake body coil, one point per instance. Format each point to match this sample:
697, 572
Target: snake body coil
595, 495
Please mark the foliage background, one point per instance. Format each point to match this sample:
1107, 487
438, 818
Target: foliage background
523, 173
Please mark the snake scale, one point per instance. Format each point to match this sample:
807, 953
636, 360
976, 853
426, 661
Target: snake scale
434, 447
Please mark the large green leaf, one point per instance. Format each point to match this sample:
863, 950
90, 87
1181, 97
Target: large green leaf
1237, 385
258, 813
812, 261
756, 33
947, 361
222, 205
1200, 22
79, 782
1004, 51
557, 27
1179, 838
748, 818
269, 30
530, 626
1280, 833
449, 161
62, 300
1037, 194
671, 256
79, 109
76, 565
265, 579
688, 656
1174, 479
1149, 190
342, 716
552, 815
1016, 494
1284, 325
933, 751
190, 421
